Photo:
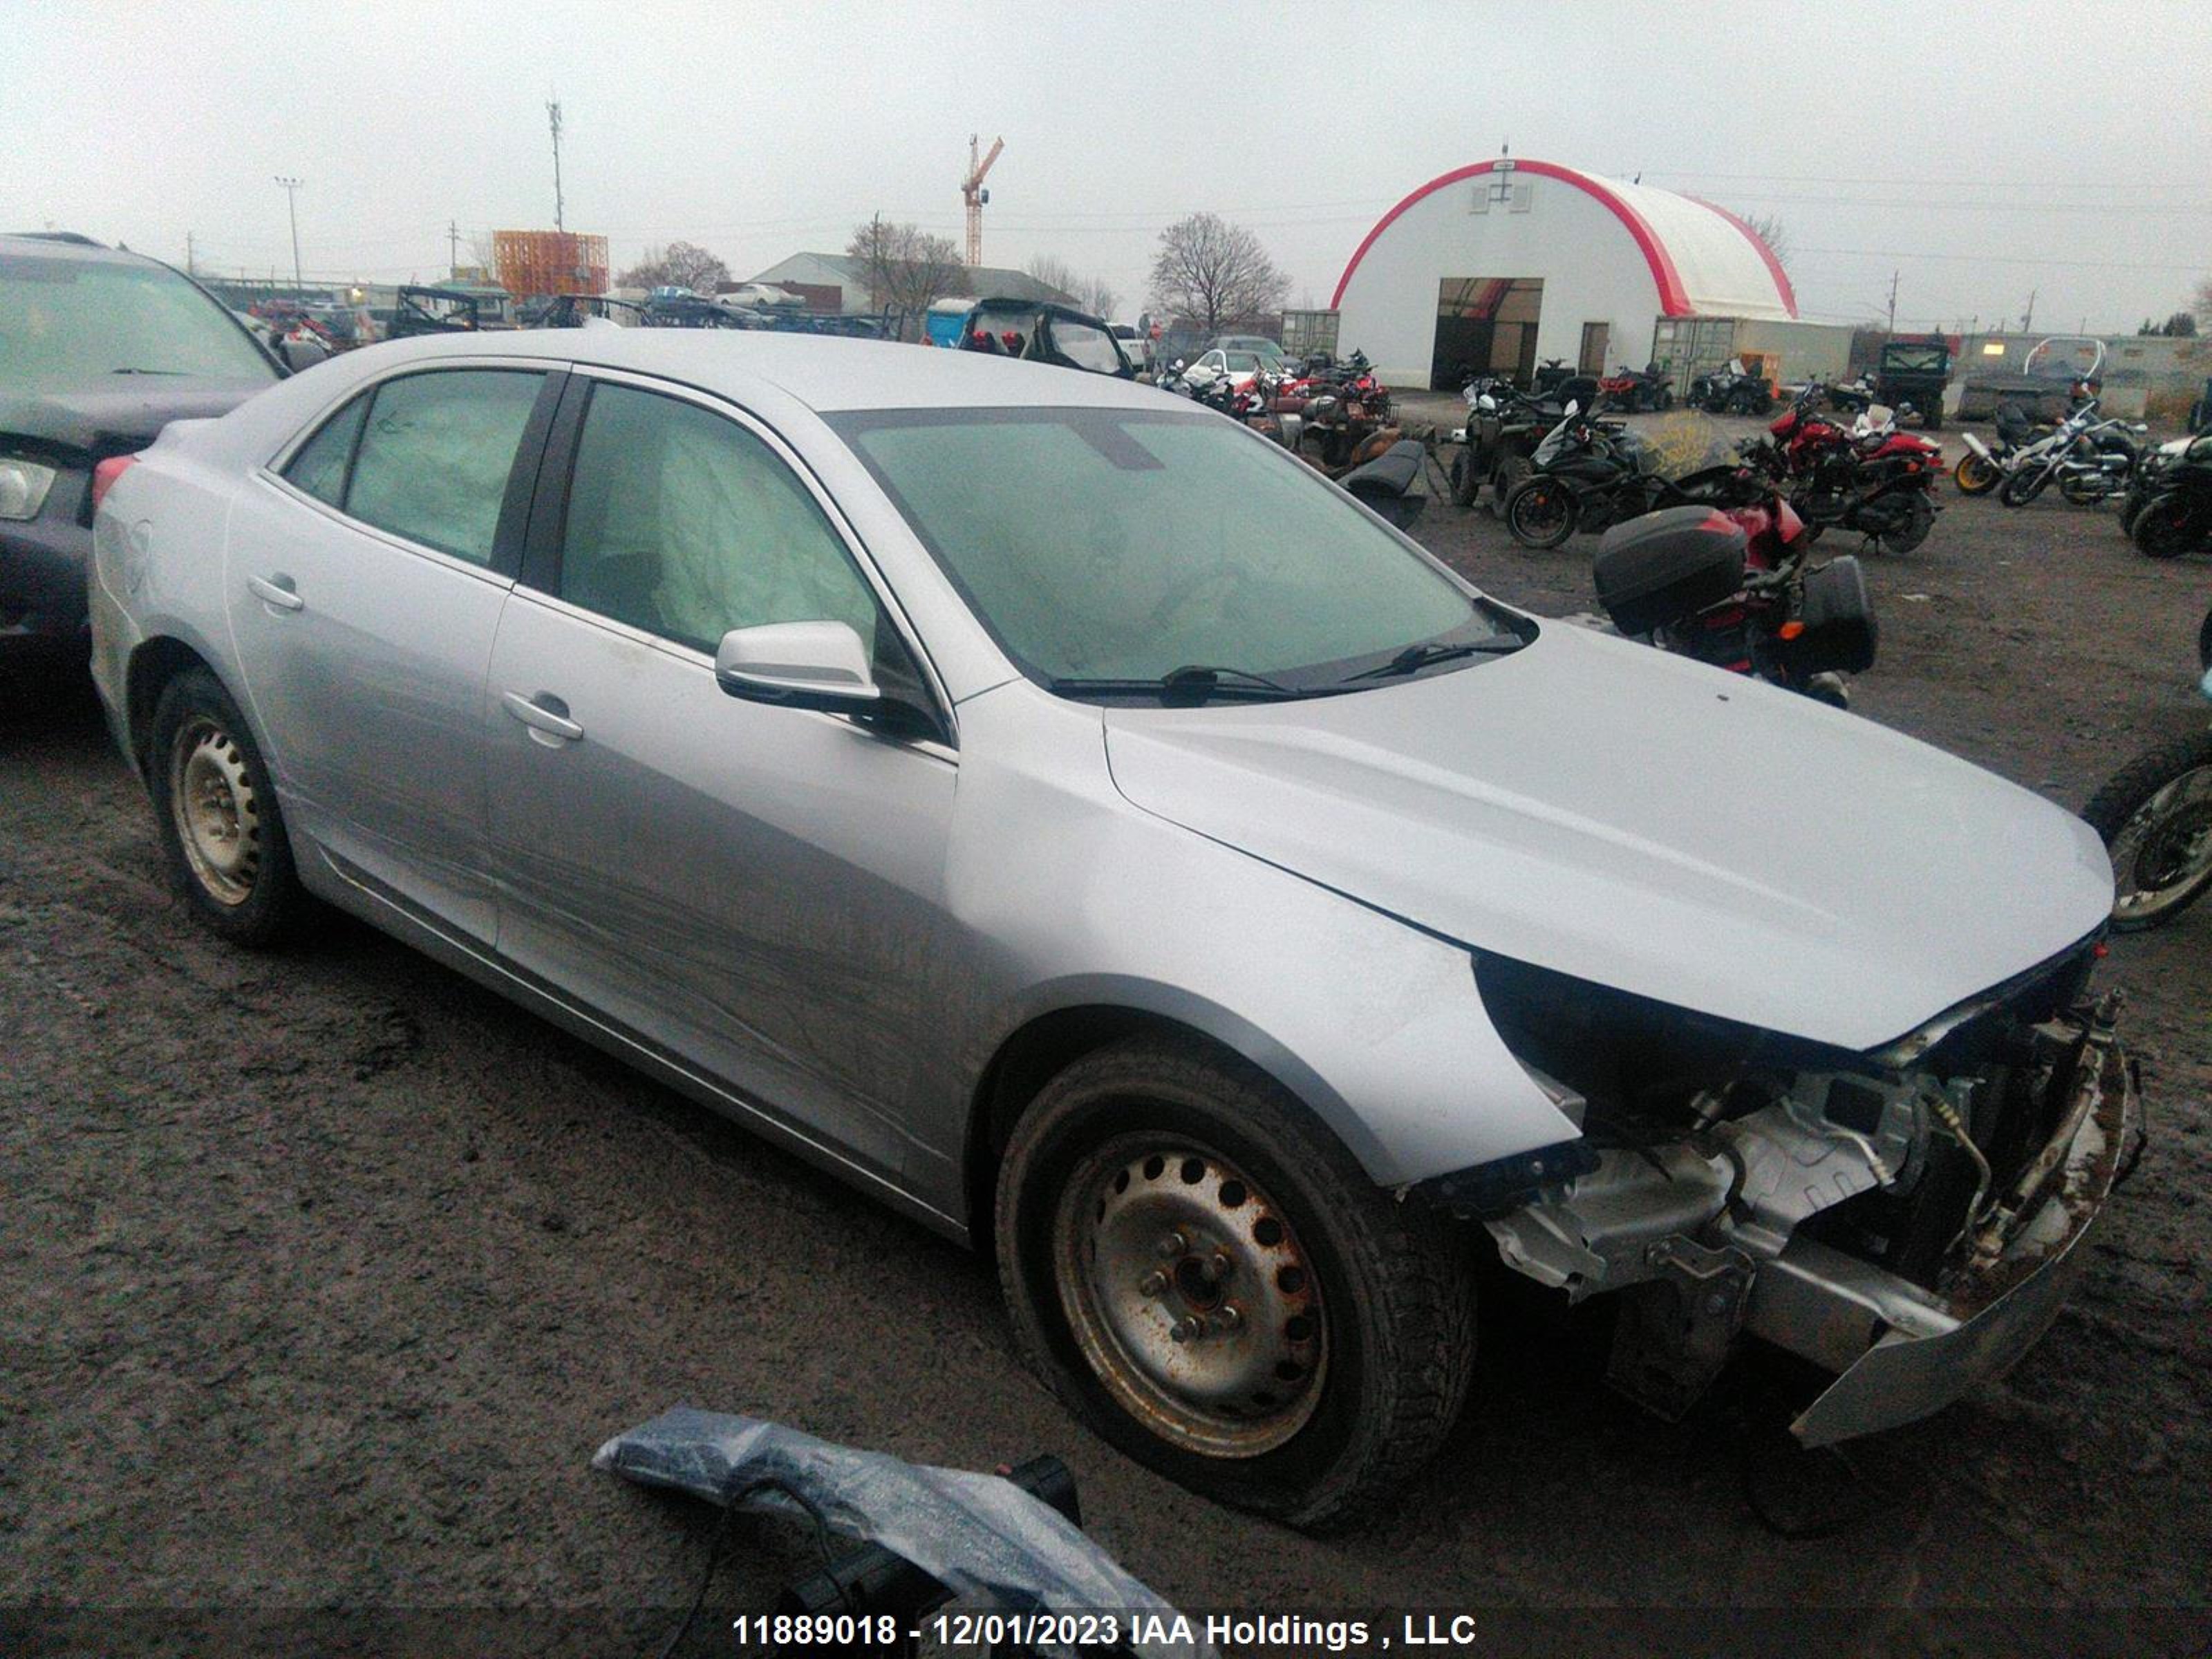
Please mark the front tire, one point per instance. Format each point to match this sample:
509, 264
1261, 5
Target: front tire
2024, 486
1541, 512
1465, 485
221, 833
2156, 818
1976, 475
1162, 1185
2167, 526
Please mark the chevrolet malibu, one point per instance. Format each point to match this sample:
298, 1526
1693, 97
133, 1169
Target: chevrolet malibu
1071, 820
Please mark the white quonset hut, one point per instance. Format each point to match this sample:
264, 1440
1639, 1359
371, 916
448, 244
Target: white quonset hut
1508, 263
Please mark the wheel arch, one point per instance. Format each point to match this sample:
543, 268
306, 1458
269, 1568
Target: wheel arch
1048, 1042
155, 662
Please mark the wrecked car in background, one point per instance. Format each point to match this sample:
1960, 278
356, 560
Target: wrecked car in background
1071, 820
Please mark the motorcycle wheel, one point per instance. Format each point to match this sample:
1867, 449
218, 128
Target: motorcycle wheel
2156, 818
1665, 398
1504, 480
1465, 485
1919, 519
2082, 492
2204, 644
1541, 513
2024, 487
2167, 527
1975, 474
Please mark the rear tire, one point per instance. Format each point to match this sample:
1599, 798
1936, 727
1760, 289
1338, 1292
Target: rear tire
1162, 1182
1541, 512
1919, 519
2156, 819
1465, 485
222, 832
1503, 482
2168, 526
1975, 474
2024, 486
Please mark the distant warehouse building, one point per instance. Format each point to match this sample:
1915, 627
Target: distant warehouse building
839, 282
1499, 266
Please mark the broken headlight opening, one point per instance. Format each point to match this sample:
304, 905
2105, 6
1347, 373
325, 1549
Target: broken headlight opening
1890, 1214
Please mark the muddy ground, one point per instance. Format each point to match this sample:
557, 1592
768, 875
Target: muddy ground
323, 1273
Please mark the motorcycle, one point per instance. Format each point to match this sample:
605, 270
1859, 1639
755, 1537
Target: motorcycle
2154, 817
1504, 427
1733, 587
1588, 474
1984, 466
2168, 509
1871, 478
2091, 460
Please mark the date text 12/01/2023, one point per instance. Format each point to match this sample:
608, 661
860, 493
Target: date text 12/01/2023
1101, 1630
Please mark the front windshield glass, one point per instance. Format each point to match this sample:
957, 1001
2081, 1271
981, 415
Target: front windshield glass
65, 321
1119, 546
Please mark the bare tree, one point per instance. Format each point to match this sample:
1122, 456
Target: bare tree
2200, 306
1216, 275
1769, 229
680, 265
1089, 293
906, 269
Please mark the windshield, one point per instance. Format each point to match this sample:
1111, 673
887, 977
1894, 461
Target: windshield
66, 320
1092, 348
1120, 546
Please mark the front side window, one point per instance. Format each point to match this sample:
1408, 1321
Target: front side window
433, 460
682, 523
1119, 546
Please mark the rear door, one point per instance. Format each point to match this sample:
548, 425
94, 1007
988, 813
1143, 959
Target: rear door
365, 572
755, 891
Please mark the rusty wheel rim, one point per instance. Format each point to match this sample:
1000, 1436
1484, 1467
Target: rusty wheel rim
218, 820
1190, 1296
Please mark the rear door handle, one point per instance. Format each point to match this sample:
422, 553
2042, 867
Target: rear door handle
546, 716
276, 592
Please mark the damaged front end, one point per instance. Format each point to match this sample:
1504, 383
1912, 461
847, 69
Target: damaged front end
1908, 1218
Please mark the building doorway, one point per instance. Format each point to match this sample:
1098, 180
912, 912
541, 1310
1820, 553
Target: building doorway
1485, 325
1595, 337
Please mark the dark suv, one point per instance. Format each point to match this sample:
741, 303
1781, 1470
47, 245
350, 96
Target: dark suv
100, 349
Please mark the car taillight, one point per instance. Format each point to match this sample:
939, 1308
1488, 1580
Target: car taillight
105, 475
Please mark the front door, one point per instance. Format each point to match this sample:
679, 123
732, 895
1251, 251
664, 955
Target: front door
364, 584
756, 892
1595, 338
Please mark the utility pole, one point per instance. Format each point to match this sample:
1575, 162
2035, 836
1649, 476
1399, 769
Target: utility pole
454, 249
190, 270
292, 202
1893, 301
553, 116
2027, 317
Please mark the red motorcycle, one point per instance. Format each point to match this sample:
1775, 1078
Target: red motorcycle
1868, 476
1731, 586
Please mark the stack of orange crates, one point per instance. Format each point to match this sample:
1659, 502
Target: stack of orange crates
533, 263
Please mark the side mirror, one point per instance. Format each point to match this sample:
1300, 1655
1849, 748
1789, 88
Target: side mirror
803, 665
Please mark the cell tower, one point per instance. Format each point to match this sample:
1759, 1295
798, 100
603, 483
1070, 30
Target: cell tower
553, 115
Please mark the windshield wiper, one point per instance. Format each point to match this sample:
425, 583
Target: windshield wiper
1415, 657
1193, 683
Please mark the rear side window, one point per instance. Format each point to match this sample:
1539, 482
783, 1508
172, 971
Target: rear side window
433, 459
319, 467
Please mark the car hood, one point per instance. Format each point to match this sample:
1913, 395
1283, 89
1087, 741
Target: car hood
122, 411
1629, 817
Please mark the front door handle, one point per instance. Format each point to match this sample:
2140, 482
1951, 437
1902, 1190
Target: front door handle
276, 592
546, 716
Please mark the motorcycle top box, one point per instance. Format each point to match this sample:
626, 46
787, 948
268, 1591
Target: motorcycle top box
1664, 566
1835, 631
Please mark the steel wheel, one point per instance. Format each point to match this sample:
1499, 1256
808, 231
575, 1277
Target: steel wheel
217, 812
1190, 1297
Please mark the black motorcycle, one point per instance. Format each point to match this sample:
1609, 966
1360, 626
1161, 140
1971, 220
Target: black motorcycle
1589, 473
2156, 818
2168, 509
1730, 390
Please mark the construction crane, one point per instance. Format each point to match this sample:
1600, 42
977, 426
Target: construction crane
973, 193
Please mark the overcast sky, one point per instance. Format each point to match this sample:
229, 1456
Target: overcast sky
1983, 152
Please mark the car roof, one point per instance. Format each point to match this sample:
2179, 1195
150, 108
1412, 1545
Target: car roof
826, 372
68, 245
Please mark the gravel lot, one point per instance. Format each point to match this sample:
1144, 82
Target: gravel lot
322, 1274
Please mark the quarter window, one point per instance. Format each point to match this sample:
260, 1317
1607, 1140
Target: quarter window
686, 525
433, 460
319, 467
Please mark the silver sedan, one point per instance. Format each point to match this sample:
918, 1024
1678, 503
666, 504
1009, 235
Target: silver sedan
1070, 817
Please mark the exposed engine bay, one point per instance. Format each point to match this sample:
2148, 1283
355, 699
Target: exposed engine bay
1901, 1216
